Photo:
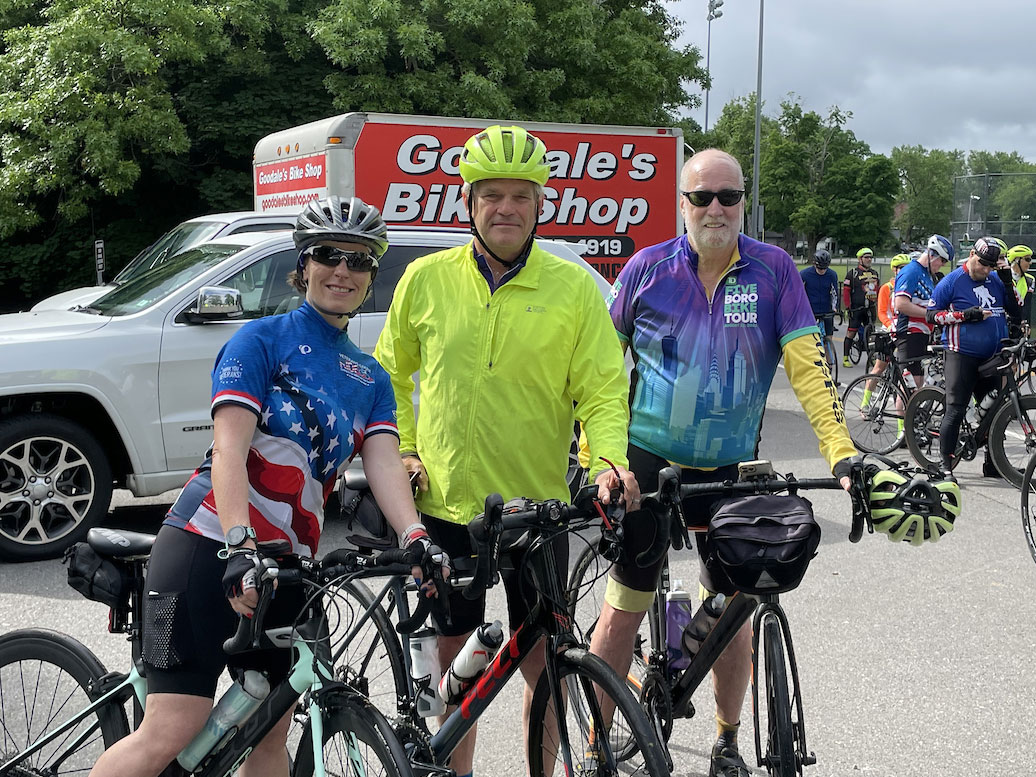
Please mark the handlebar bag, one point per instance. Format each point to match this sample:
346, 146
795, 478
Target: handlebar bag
365, 524
763, 542
97, 578
881, 343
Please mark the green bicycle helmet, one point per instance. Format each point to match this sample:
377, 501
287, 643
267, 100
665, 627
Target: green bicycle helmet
1018, 252
899, 260
913, 508
864, 252
504, 152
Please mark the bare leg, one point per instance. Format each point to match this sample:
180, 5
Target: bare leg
170, 722
462, 757
270, 756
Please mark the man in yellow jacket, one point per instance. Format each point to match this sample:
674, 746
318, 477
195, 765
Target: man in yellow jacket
512, 345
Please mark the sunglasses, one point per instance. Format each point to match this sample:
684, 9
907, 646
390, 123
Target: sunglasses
702, 198
357, 261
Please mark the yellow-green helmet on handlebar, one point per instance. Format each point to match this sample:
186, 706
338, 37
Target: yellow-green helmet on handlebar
915, 508
1019, 252
504, 152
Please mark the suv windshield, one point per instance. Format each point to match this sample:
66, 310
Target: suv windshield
171, 243
148, 288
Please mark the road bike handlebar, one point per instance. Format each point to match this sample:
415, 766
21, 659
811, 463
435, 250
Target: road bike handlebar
299, 571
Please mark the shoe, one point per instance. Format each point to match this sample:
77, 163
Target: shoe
846, 362
726, 761
989, 469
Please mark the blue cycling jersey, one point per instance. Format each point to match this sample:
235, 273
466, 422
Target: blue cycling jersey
822, 290
958, 291
316, 397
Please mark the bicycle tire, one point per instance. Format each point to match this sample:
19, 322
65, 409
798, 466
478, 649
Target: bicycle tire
372, 662
780, 759
874, 424
1028, 505
585, 595
1009, 445
923, 419
832, 359
855, 351
355, 732
45, 679
646, 756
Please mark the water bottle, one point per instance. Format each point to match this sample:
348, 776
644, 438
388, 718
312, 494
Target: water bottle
677, 616
234, 708
985, 405
471, 661
701, 624
426, 673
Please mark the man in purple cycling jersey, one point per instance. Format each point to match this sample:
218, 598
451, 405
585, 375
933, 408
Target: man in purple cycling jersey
707, 316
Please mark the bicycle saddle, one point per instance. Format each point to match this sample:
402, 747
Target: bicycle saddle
120, 543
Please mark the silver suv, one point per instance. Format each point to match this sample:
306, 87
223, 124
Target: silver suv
116, 393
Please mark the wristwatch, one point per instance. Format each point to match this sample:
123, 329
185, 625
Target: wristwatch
239, 535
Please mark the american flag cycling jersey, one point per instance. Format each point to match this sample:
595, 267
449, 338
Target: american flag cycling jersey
317, 398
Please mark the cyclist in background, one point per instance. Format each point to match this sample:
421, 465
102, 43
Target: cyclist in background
512, 345
886, 310
1020, 257
707, 316
293, 401
821, 285
859, 296
970, 303
914, 287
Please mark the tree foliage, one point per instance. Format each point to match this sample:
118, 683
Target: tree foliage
926, 176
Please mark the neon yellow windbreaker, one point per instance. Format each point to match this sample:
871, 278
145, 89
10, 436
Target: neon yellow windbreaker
503, 378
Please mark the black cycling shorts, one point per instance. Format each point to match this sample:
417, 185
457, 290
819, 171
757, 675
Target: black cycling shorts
859, 318
639, 526
187, 618
466, 614
912, 346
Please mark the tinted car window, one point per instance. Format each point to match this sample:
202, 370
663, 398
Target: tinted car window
263, 285
147, 289
390, 270
171, 243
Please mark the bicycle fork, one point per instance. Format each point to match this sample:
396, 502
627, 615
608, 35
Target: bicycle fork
770, 609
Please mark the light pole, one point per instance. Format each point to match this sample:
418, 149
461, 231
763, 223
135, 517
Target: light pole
714, 13
972, 199
756, 224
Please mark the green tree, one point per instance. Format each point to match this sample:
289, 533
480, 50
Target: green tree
926, 177
608, 62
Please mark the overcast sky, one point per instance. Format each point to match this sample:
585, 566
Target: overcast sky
898, 65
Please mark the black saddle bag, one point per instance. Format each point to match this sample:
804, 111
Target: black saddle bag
97, 578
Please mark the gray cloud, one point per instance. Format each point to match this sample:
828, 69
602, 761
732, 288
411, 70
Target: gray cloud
939, 73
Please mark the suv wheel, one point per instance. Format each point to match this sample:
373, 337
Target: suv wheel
55, 483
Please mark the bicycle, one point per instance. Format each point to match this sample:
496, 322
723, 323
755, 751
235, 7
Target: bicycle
572, 672
1028, 501
1008, 427
829, 345
45, 676
667, 693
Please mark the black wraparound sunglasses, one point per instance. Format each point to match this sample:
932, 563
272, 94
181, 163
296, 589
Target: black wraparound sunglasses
702, 198
330, 256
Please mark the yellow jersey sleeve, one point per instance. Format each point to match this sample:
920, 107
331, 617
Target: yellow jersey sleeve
811, 381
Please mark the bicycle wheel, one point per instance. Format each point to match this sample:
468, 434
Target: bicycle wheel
1029, 505
583, 720
372, 661
1012, 440
874, 415
923, 419
832, 359
779, 758
586, 588
358, 740
855, 350
45, 679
